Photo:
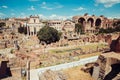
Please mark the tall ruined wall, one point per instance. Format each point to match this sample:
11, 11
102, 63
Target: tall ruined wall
106, 62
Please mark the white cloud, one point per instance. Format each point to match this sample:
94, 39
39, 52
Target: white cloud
31, 8
79, 9
45, 7
117, 17
58, 5
2, 15
43, 3
22, 14
42, 16
107, 3
49, 6
4, 6
54, 17
12, 14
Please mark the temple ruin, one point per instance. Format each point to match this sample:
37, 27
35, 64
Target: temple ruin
108, 67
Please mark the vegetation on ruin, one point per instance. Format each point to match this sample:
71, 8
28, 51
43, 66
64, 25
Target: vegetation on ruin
79, 28
55, 59
69, 54
2, 24
89, 47
111, 30
48, 35
22, 30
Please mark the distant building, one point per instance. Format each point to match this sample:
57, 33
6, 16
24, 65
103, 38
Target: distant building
91, 23
56, 24
68, 26
33, 25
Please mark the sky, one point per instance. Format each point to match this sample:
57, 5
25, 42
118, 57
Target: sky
59, 9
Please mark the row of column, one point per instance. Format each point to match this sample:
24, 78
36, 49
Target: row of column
31, 32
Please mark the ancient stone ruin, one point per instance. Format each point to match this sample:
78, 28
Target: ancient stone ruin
108, 67
52, 75
115, 45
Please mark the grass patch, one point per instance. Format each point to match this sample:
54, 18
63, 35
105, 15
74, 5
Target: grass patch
62, 54
85, 48
65, 50
76, 73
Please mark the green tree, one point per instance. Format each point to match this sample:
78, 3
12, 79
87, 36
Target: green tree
117, 26
108, 30
2, 24
78, 28
21, 29
48, 34
102, 30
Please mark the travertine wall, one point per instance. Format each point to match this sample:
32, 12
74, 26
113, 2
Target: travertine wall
105, 62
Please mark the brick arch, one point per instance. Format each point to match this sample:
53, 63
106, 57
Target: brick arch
91, 20
98, 22
82, 20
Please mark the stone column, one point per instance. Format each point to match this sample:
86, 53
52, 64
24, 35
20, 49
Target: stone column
33, 31
94, 22
30, 30
27, 30
28, 70
84, 25
101, 24
95, 74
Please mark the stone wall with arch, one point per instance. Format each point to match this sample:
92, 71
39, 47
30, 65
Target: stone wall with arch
91, 23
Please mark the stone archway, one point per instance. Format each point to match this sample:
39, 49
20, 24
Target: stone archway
98, 22
82, 21
113, 73
90, 21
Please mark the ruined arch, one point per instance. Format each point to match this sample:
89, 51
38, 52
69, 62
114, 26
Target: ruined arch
81, 20
98, 22
90, 21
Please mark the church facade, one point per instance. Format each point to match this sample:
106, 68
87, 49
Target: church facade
33, 25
